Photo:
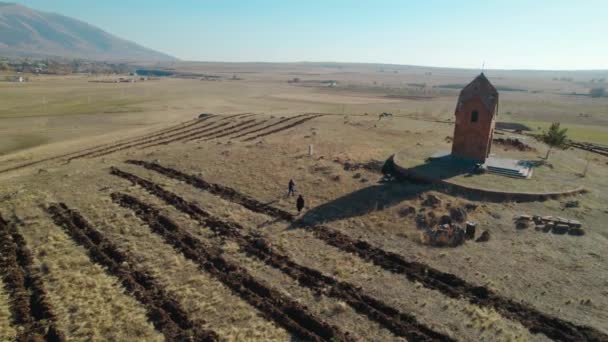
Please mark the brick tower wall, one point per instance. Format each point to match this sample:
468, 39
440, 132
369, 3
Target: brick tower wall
473, 140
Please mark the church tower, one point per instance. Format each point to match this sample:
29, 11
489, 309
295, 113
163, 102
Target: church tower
476, 112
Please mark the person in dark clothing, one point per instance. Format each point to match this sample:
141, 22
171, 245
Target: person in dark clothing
300, 204
291, 188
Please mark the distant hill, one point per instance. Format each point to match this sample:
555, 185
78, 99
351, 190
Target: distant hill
25, 32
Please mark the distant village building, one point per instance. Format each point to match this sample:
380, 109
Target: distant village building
476, 112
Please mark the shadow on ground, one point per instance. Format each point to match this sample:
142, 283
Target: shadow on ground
385, 195
361, 202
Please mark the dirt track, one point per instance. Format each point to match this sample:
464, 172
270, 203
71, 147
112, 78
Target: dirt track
163, 310
238, 131
30, 304
448, 284
401, 324
212, 133
266, 127
271, 303
291, 125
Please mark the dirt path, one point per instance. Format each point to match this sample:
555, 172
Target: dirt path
291, 125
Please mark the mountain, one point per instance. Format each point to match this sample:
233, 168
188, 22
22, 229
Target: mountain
25, 32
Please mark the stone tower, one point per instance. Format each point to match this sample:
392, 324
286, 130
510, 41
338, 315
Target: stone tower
475, 120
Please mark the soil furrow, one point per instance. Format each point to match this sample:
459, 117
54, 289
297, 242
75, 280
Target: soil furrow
130, 140
399, 323
30, 305
187, 137
163, 310
144, 142
211, 134
216, 189
448, 284
291, 125
137, 141
269, 126
241, 129
291, 315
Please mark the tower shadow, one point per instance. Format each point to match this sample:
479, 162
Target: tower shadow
404, 186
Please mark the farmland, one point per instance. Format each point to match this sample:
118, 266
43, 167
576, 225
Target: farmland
127, 215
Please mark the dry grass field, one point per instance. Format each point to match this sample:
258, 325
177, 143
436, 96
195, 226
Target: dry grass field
126, 217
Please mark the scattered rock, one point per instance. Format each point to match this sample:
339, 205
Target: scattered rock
357, 175
560, 229
484, 237
576, 231
469, 232
496, 216
407, 211
458, 214
335, 178
445, 219
470, 207
572, 204
364, 180
522, 224
431, 201
421, 221
445, 235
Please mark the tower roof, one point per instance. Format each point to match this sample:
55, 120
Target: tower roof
481, 87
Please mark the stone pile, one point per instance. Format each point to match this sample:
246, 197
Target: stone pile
556, 225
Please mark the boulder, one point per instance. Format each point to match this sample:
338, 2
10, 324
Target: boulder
470, 207
407, 211
431, 201
469, 232
576, 231
458, 214
524, 218
560, 229
484, 237
445, 235
445, 219
522, 224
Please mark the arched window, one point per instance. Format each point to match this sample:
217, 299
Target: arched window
474, 116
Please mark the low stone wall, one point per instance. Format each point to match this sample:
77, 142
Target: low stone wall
478, 193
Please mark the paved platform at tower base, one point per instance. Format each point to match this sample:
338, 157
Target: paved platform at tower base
501, 166
508, 167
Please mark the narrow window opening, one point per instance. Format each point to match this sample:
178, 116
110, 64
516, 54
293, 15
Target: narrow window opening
474, 116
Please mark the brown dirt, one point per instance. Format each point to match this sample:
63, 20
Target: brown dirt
399, 323
271, 125
223, 130
30, 305
449, 284
163, 310
118, 146
293, 316
239, 130
291, 125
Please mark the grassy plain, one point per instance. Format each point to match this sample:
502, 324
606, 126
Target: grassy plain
561, 275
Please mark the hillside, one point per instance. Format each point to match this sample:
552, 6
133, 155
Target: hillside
25, 32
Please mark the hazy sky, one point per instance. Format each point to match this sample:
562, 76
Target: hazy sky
513, 34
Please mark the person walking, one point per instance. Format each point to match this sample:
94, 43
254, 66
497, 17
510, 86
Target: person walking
291, 188
300, 204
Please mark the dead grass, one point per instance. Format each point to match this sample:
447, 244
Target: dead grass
547, 271
7, 330
89, 303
